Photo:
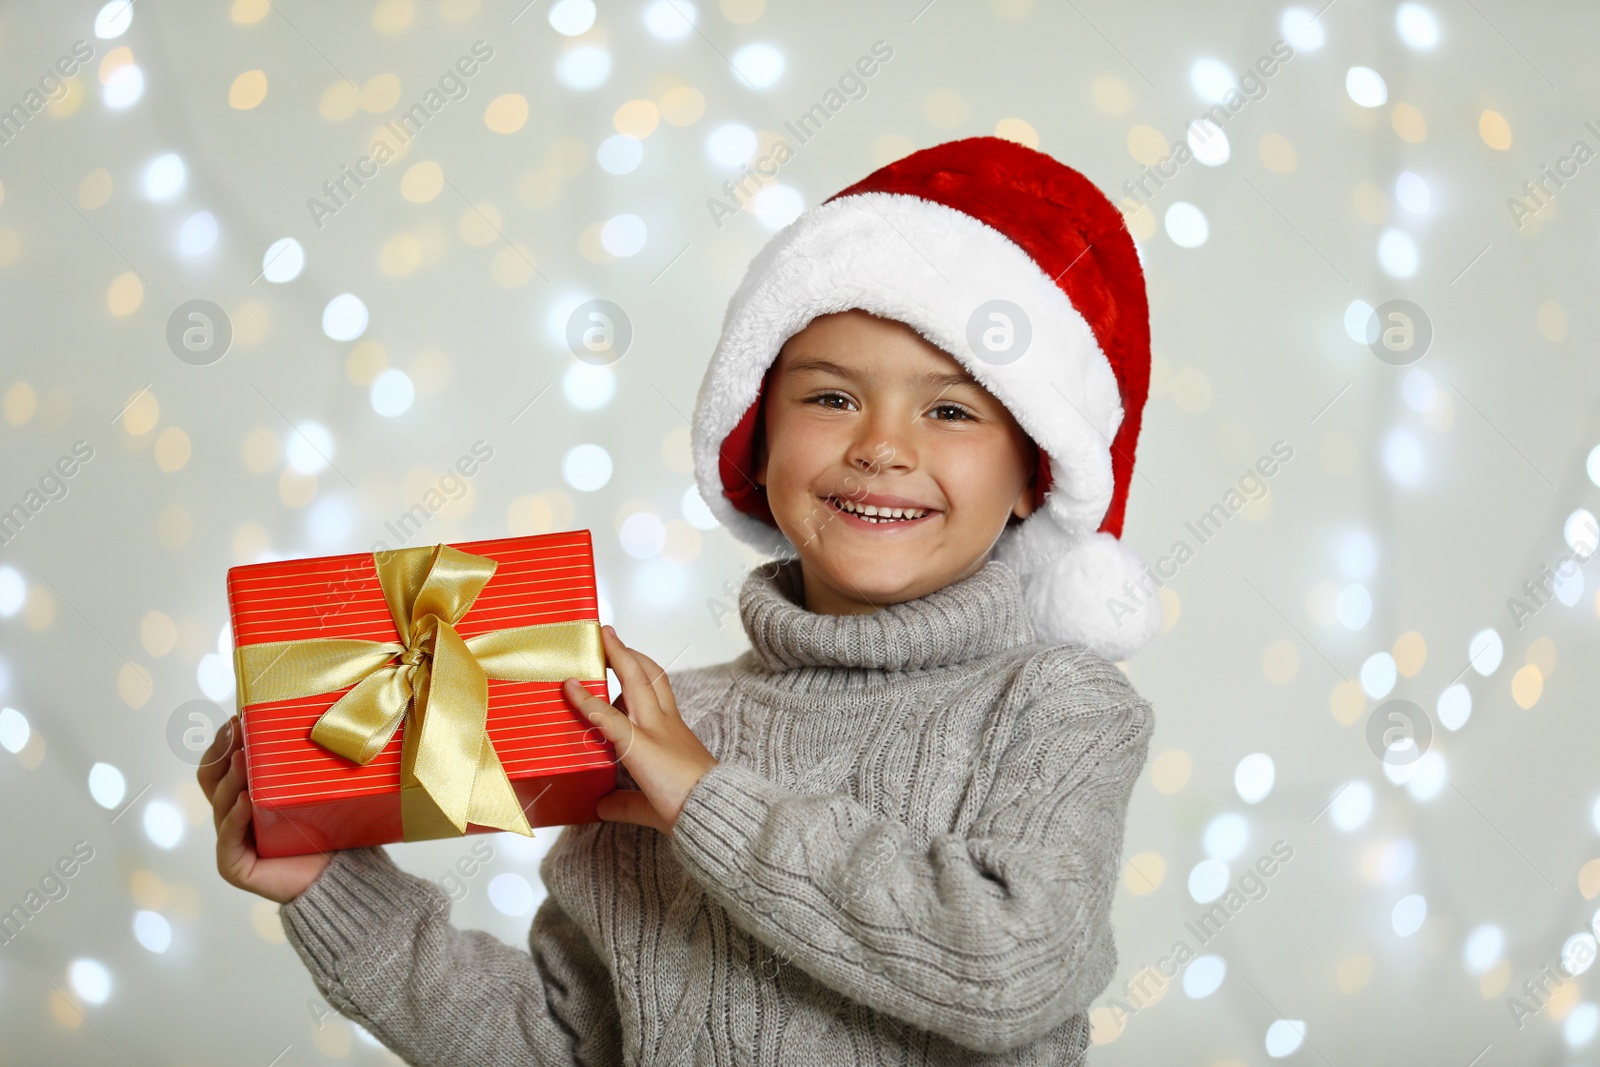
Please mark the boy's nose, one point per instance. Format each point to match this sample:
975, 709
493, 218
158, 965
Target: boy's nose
884, 443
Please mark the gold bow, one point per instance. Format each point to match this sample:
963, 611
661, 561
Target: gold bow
449, 772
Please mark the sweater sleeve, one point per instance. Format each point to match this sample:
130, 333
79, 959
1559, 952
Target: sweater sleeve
380, 946
990, 938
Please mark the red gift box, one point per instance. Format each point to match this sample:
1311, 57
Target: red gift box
309, 799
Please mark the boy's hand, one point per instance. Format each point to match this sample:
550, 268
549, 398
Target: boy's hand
660, 751
221, 775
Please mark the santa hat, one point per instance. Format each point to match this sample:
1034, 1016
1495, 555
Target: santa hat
935, 240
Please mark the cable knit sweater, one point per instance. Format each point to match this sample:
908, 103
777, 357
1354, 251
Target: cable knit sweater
906, 855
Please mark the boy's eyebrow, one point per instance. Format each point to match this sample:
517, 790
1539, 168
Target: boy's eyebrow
944, 379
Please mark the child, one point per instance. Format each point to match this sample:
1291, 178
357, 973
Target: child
891, 831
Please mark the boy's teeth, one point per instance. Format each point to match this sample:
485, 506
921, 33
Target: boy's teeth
877, 514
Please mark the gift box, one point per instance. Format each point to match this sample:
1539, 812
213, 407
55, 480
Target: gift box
414, 694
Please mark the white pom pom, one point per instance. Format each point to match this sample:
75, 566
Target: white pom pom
1076, 592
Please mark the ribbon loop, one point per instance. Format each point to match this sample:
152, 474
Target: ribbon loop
432, 680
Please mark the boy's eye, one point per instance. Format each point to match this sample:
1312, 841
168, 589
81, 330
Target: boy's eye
825, 400
961, 413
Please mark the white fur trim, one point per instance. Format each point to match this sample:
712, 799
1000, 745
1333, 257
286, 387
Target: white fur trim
931, 266
1075, 590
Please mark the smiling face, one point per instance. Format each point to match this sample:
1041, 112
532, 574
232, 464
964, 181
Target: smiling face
865, 421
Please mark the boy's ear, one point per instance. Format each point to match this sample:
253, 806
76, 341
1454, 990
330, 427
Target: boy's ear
1024, 505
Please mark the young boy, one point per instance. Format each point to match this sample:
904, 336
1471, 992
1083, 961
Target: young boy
892, 830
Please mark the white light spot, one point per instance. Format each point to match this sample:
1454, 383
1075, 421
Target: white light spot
152, 931
761, 64
163, 824
1397, 860
1577, 953
107, 785
1454, 707
1592, 465
694, 509
1366, 87
392, 393
1568, 583
511, 894
1409, 914
1226, 836
14, 730
1581, 1024
670, 20
572, 17
1419, 390
731, 145
309, 447
1253, 777
1186, 225
124, 87
643, 535
90, 980
329, 522
1412, 192
620, 154
1378, 675
1358, 555
1397, 253
164, 177
1403, 457
114, 19
345, 317
1208, 143
214, 676
623, 235
1301, 29
284, 261
1429, 776
1485, 651
1207, 880
586, 467
588, 386
585, 67
1353, 607
1417, 26
1204, 976
13, 591
1582, 532
777, 206
1484, 947
1285, 1037
1211, 79
1352, 806
659, 583
1356, 317
199, 234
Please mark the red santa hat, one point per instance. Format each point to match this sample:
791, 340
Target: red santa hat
939, 240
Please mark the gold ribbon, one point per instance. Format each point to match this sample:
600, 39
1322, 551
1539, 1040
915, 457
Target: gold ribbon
449, 772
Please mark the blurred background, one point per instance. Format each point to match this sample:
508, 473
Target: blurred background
1369, 230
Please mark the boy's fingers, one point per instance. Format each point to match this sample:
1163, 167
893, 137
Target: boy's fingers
616, 726
625, 662
214, 764
227, 790
230, 835
658, 682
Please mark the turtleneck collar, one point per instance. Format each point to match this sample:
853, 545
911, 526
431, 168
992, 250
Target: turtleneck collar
978, 616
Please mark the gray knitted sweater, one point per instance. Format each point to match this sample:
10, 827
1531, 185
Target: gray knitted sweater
906, 855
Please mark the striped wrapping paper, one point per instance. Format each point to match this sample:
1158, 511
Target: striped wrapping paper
309, 799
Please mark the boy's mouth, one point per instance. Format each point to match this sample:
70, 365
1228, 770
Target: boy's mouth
865, 515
